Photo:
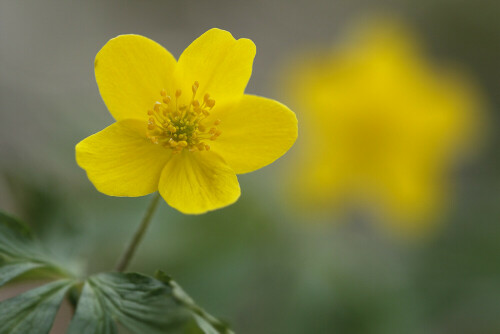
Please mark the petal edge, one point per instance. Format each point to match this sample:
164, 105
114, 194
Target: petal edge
120, 160
195, 183
130, 71
221, 64
256, 131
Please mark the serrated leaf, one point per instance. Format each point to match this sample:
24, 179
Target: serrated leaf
10, 271
21, 252
91, 315
33, 311
206, 323
140, 303
206, 327
14, 238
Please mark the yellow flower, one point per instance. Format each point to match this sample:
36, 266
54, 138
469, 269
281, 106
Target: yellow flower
183, 127
381, 126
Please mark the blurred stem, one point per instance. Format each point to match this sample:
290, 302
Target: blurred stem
138, 235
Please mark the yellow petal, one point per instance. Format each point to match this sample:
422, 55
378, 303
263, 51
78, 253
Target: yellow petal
195, 183
121, 161
131, 71
221, 65
255, 132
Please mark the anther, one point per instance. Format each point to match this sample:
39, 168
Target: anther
210, 103
157, 106
195, 87
179, 126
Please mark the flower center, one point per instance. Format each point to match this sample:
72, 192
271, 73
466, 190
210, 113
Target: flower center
180, 127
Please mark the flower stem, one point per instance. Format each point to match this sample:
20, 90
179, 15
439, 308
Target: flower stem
136, 239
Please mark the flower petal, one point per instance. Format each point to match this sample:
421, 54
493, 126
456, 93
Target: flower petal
121, 161
195, 183
221, 64
131, 71
255, 132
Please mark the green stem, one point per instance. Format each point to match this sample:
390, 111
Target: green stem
132, 246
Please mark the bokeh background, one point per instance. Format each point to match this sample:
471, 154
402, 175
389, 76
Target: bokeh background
259, 264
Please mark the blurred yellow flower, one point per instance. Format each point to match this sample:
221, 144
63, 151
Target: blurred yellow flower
183, 127
380, 125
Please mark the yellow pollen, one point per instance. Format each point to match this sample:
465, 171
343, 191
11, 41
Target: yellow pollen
210, 103
195, 87
182, 124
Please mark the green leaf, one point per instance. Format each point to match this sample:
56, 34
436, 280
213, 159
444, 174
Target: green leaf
10, 271
21, 252
16, 240
140, 303
206, 323
33, 311
92, 316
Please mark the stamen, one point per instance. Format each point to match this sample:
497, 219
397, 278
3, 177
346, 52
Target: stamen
210, 103
182, 126
195, 87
